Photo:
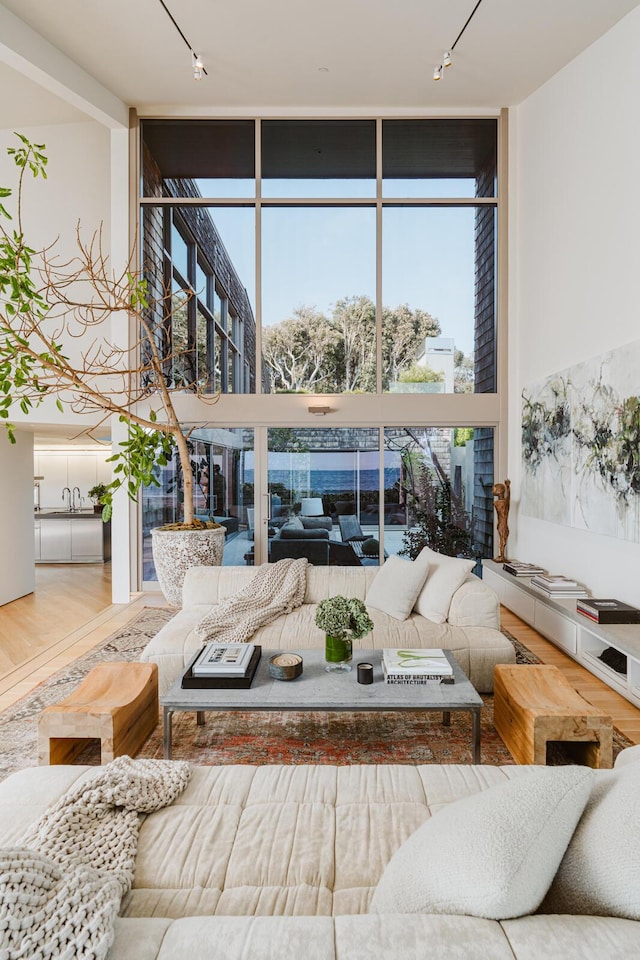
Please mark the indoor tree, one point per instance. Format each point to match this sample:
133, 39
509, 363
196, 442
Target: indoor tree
48, 303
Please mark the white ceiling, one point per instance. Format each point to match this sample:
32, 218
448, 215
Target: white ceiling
378, 54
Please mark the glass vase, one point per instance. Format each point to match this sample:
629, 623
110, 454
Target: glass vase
338, 651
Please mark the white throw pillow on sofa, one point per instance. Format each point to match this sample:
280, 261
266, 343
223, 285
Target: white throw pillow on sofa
600, 872
396, 585
493, 854
446, 574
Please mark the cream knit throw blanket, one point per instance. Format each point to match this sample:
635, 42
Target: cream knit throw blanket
277, 588
60, 891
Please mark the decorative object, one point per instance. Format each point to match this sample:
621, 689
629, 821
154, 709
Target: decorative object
580, 441
365, 672
396, 586
174, 551
343, 620
96, 494
493, 854
285, 666
502, 501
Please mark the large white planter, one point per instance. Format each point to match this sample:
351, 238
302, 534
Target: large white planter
174, 551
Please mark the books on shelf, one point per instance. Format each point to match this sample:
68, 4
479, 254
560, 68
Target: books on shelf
608, 611
555, 585
223, 660
517, 568
416, 666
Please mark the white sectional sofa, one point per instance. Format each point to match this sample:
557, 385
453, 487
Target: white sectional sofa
280, 863
471, 630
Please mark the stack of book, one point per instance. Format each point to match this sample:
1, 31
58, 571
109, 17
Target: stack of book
416, 666
608, 611
219, 665
557, 586
519, 569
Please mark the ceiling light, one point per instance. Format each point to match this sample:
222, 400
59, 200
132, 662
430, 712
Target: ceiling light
198, 67
446, 57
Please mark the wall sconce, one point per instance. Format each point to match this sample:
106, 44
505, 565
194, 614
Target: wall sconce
319, 411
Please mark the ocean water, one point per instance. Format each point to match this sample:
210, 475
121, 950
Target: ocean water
329, 481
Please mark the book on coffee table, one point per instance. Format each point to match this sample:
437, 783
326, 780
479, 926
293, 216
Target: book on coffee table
223, 660
416, 666
191, 681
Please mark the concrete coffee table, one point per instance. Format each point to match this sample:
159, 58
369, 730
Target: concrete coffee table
318, 690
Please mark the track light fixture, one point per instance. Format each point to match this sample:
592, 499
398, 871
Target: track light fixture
196, 63
198, 67
439, 68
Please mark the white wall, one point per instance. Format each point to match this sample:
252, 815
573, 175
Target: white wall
77, 188
574, 262
17, 576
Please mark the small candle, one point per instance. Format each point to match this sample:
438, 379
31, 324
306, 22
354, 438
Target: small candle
365, 673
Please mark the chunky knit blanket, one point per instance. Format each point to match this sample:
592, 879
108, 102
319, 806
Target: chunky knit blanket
60, 890
277, 588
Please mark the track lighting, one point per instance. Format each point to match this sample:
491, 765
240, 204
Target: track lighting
438, 70
198, 67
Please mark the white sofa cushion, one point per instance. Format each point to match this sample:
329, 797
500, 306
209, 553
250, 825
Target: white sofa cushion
600, 872
446, 574
492, 855
397, 585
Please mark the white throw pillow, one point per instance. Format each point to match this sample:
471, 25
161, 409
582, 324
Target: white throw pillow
446, 574
600, 872
396, 585
493, 854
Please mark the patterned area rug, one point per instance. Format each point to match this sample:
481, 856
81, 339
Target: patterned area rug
412, 737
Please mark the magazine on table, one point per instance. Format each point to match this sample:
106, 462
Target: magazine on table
223, 660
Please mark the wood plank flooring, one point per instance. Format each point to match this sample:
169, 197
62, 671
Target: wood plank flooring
71, 612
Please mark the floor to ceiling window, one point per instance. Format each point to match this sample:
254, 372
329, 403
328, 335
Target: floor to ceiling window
340, 258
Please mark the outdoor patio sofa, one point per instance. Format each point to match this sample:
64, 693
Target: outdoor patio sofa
284, 862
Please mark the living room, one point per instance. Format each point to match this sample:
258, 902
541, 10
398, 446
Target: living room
560, 85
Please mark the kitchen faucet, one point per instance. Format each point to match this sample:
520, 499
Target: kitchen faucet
68, 491
73, 499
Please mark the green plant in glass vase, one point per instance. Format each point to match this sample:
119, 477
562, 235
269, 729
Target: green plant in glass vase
343, 619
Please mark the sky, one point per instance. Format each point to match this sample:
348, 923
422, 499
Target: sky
314, 256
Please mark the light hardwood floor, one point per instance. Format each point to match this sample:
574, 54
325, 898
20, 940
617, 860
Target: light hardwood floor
71, 612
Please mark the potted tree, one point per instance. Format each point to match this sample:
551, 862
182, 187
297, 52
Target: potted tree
45, 301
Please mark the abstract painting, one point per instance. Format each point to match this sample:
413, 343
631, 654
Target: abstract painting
581, 445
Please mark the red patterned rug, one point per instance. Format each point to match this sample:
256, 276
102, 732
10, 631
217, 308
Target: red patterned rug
258, 738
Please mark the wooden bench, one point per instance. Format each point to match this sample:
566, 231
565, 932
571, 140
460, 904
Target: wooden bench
534, 705
116, 703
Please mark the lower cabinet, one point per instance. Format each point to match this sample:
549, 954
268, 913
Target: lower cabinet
71, 541
570, 631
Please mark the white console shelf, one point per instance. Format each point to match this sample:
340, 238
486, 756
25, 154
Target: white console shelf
559, 622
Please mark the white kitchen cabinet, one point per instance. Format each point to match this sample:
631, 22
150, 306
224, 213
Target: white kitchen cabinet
36, 540
86, 540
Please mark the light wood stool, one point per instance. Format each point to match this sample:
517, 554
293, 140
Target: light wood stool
116, 703
535, 705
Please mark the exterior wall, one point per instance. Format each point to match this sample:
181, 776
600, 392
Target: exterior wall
485, 300
17, 576
574, 253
